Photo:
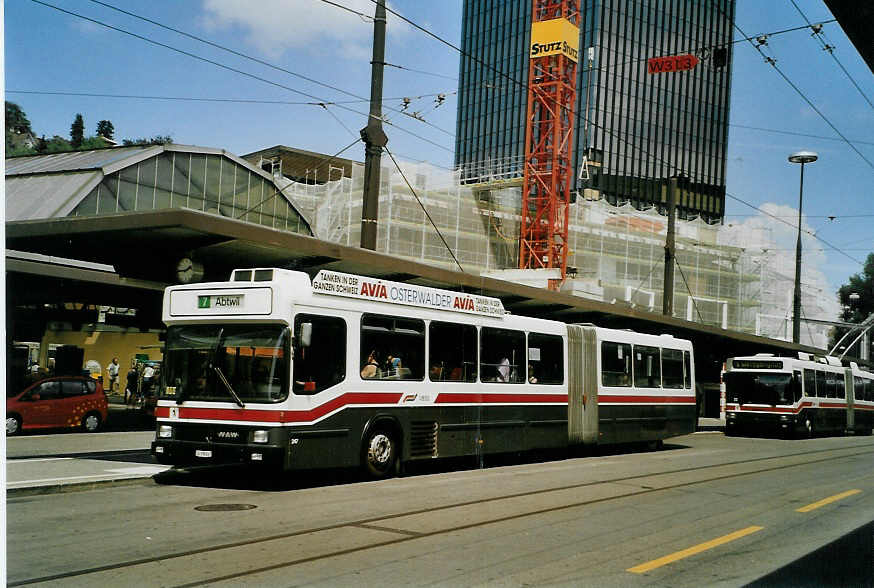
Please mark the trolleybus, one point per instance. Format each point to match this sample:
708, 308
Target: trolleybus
797, 396
343, 370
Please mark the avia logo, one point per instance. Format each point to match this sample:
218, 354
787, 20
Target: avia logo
228, 435
463, 304
203, 301
374, 290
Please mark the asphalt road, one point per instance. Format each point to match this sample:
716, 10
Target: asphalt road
708, 510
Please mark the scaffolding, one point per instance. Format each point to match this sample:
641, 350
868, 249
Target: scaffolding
726, 276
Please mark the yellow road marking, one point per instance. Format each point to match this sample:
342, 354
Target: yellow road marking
828, 500
662, 561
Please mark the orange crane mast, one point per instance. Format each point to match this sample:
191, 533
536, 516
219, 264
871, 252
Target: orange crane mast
552, 96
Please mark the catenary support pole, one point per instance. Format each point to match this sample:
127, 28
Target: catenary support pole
668, 293
373, 136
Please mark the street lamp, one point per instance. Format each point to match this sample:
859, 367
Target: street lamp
801, 157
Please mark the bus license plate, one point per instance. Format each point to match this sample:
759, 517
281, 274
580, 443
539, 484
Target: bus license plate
203, 453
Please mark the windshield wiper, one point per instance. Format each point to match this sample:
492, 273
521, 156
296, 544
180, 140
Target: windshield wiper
228, 386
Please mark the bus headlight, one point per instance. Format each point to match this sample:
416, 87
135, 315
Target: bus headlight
260, 436
165, 431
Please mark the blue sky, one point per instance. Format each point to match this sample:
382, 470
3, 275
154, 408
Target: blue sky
50, 51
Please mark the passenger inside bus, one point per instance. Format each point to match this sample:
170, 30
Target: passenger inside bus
393, 365
371, 368
436, 371
503, 370
532, 379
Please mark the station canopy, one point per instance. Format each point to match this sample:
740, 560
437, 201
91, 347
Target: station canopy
146, 178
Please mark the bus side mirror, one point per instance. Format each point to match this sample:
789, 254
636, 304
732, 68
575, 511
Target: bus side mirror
305, 334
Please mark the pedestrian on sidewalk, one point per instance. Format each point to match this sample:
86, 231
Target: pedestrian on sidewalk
113, 374
130, 390
146, 388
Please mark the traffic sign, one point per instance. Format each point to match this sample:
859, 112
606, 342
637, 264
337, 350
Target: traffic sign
656, 65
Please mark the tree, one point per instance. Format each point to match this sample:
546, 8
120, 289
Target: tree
16, 120
105, 129
857, 298
156, 140
77, 132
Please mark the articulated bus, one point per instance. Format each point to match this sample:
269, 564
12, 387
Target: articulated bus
800, 396
343, 370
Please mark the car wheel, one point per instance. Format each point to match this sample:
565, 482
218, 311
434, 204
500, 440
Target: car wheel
808, 429
91, 422
379, 453
13, 425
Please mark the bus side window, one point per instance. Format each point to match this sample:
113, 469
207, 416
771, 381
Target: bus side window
809, 383
615, 364
452, 352
546, 364
397, 344
820, 384
322, 364
647, 373
858, 388
502, 355
840, 385
796, 385
672, 368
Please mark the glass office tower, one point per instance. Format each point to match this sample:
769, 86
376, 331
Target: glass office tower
634, 129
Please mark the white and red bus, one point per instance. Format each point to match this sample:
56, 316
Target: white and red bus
345, 370
800, 396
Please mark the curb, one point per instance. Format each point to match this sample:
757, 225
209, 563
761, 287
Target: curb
25, 491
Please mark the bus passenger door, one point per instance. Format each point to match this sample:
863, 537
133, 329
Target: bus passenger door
582, 385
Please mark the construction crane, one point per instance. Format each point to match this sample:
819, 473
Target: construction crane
552, 96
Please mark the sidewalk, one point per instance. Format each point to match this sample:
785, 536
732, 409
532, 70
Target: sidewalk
69, 461
119, 454
707, 424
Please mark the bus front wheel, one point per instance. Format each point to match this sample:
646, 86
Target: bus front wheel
379, 453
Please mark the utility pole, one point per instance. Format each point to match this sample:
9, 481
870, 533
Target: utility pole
373, 136
668, 295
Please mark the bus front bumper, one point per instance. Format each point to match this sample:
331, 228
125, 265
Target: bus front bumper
175, 452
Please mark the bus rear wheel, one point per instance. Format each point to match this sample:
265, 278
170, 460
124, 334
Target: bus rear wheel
379, 453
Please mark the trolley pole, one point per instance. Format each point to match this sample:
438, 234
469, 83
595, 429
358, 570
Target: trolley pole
668, 294
373, 136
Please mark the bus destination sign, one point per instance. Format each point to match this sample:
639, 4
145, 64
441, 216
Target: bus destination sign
756, 364
365, 288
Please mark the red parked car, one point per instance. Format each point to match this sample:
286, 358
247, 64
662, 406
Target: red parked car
59, 402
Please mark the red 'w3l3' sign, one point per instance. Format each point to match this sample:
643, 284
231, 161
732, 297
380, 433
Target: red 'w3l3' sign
672, 63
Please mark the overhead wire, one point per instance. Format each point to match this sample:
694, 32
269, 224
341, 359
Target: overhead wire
858, 141
773, 63
203, 99
830, 49
233, 69
251, 58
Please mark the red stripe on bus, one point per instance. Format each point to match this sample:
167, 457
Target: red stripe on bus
278, 416
479, 398
780, 409
611, 399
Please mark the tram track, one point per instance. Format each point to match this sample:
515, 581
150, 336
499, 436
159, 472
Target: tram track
395, 528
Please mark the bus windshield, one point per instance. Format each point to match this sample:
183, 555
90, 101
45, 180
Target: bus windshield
759, 388
226, 363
